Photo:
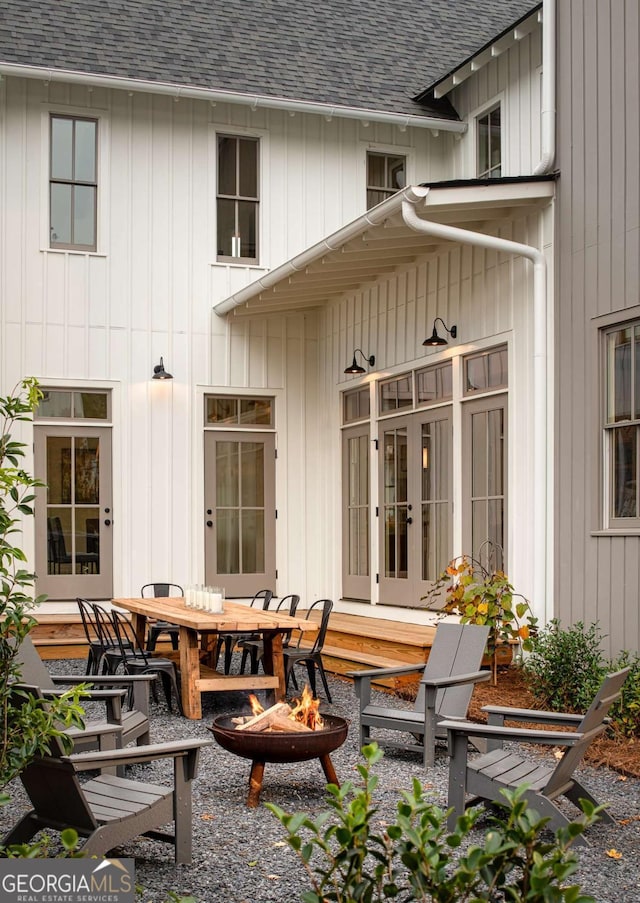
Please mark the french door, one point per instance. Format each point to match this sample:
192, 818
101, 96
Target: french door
240, 510
73, 513
415, 513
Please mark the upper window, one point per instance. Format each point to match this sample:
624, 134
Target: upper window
73, 186
237, 206
356, 405
238, 411
386, 174
77, 404
622, 422
486, 371
489, 144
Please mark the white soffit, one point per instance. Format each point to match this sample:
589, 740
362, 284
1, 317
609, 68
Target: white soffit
379, 243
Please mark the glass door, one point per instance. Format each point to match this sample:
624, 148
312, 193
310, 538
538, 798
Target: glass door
73, 512
415, 504
240, 511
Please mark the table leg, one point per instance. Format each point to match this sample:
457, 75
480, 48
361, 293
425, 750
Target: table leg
190, 673
139, 624
273, 663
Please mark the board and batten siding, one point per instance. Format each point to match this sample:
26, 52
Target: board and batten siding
488, 295
598, 254
105, 318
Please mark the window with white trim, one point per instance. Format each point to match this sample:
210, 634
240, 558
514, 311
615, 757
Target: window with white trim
489, 144
622, 424
237, 199
386, 174
73, 182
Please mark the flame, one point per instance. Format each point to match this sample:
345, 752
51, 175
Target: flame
256, 706
306, 711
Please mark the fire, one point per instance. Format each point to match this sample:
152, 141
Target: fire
306, 710
256, 706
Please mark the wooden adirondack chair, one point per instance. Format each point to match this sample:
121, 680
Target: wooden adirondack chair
500, 769
133, 722
452, 670
110, 810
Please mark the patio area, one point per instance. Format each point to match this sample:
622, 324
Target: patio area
239, 853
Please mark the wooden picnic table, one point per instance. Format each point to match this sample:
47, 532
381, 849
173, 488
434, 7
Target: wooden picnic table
199, 631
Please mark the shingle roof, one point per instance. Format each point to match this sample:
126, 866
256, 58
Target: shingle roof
369, 54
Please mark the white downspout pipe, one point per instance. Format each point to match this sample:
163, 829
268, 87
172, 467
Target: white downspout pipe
541, 594
548, 111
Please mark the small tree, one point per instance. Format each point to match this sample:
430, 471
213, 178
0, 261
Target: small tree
27, 725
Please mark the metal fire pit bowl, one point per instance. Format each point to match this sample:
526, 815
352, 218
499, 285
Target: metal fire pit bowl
280, 746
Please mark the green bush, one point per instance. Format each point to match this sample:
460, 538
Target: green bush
418, 859
566, 667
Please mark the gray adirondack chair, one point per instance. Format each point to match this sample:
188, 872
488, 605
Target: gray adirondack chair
133, 721
109, 810
451, 671
486, 776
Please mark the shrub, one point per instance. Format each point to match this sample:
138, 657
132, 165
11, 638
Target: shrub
566, 667
417, 858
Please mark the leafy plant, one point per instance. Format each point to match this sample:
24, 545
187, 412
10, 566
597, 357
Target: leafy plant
482, 596
566, 667
27, 723
418, 859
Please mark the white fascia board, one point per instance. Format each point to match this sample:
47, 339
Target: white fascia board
402, 120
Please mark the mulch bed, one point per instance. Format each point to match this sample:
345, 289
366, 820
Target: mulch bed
622, 755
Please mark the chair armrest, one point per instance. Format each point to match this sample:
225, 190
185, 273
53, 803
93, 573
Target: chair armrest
516, 734
104, 679
385, 672
472, 677
92, 695
133, 755
497, 714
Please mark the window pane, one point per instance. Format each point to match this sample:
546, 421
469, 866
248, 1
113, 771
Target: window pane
247, 215
497, 368
486, 371
255, 410
222, 410
495, 453
61, 148
625, 454
248, 187
59, 470
60, 214
483, 145
636, 380
227, 475
375, 170
252, 474
87, 472
375, 197
92, 405
620, 369
252, 542
395, 173
85, 147
479, 465
435, 384
227, 165
226, 226
228, 542
54, 404
397, 393
84, 215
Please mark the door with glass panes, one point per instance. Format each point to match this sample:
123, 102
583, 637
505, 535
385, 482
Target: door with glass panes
240, 511
73, 511
415, 512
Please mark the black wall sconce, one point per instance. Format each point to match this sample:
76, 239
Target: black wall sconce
435, 340
159, 372
356, 368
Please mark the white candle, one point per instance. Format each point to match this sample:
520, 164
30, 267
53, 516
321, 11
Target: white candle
216, 600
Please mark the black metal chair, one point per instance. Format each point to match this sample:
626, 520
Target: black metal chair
135, 660
229, 640
311, 656
158, 628
57, 551
255, 648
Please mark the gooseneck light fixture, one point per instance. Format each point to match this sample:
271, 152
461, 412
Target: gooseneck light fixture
355, 367
434, 339
159, 372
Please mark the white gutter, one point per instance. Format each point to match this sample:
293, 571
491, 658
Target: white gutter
373, 217
548, 112
540, 593
402, 120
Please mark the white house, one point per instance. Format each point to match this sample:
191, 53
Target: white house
249, 202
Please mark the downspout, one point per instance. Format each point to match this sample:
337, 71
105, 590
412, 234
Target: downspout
548, 111
540, 451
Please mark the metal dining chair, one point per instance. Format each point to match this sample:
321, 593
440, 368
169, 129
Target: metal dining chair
254, 648
160, 627
311, 656
229, 640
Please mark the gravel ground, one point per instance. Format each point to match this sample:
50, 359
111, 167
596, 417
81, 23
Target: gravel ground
238, 853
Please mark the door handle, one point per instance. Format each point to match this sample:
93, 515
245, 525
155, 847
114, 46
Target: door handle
107, 523
209, 523
409, 520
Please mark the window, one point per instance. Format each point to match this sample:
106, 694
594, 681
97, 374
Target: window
356, 405
489, 144
73, 187
386, 174
73, 405
396, 393
434, 384
485, 371
237, 205
622, 423
227, 410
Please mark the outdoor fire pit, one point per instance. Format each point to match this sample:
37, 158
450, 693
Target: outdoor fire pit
281, 746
